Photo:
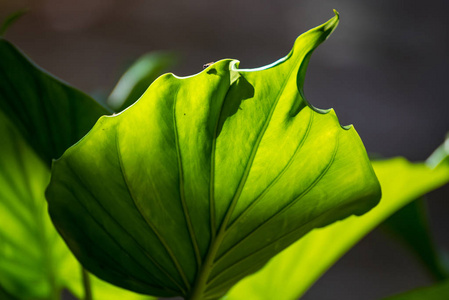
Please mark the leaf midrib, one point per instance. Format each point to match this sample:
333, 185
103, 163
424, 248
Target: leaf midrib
200, 284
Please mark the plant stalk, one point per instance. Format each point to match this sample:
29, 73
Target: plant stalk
86, 285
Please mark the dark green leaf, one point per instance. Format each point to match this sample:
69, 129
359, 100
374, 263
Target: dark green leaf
50, 115
5, 295
206, 177
138, 78
436, 292
410, 225
299, 266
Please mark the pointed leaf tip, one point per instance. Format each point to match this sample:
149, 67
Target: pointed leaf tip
330, 25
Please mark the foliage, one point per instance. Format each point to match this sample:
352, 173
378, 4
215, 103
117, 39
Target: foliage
192, 188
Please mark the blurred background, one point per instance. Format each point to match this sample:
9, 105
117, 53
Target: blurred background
385, 70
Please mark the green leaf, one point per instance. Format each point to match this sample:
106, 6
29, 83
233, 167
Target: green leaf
11, 19
298, 267
138, 77
440, 155
29, 245
35, 263
206, 177
436, 292
50, 115
410, 225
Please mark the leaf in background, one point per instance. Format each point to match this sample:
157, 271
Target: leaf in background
50, 114
206, 177
11, 19
299, 266
410, 225
438, 291
138, 78
440, 155
35, 263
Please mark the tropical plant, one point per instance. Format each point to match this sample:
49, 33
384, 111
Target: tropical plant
196, 189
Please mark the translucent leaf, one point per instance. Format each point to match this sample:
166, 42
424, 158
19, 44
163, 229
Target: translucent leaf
207, 177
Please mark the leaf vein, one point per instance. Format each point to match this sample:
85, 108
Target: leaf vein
150, 225
270, 219
181, 187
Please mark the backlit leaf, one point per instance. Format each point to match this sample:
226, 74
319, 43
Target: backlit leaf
207, 177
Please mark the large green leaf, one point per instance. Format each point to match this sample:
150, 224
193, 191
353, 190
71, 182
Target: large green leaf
299, 266
35, 263
206, 177
51, 115
436, 292
138, 77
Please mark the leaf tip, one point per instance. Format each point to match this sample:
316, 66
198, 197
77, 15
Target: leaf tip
337, 14
330, 25
11, 19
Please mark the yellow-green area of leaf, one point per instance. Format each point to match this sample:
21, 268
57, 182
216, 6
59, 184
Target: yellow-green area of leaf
207, 177
288, 275
35, 263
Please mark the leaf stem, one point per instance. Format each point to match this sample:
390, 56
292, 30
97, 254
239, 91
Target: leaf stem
86, 285
204, 272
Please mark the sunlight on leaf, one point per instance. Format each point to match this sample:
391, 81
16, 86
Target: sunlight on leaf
207, 177
299, 266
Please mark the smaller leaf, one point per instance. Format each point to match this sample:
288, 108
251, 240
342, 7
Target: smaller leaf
436, 292
11, 19
410, 225
440, 155
138, 78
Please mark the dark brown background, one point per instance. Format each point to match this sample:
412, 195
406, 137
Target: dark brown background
385, 70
